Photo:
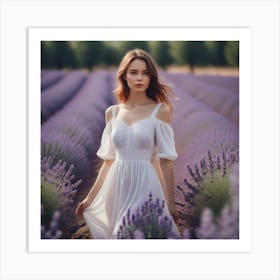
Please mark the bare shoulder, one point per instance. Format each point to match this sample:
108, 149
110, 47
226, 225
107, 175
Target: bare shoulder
164, 113
109, 112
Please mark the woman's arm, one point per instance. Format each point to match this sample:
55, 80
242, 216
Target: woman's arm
165, 168
100, 177
167, 173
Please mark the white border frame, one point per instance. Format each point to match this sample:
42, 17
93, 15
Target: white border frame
241, 34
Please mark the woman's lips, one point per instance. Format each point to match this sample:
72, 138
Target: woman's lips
139, 85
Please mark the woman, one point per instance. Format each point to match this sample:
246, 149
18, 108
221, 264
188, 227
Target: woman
137, 132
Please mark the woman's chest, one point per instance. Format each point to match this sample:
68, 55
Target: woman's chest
140, 134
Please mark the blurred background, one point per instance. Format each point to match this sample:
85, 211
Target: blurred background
77, 83
185, 55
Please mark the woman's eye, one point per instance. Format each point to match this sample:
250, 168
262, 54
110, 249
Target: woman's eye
136, 73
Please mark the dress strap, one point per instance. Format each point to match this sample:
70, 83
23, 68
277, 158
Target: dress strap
155, 110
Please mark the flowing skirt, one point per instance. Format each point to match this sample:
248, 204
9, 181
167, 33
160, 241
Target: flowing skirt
126, 188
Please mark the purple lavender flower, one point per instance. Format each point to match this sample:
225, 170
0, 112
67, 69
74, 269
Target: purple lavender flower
207, 228
138, 234
53, 232
213, 191
148, 221
57, 192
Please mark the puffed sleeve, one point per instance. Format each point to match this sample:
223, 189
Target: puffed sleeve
165, 141
106, 149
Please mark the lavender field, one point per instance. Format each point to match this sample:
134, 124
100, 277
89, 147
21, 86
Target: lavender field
206, 127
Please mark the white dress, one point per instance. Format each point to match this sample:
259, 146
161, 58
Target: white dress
131, 177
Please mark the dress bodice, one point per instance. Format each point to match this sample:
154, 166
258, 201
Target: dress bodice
139, 141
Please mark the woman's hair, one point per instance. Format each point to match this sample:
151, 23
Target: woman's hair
157, 90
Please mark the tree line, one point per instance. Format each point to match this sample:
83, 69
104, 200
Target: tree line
91, 54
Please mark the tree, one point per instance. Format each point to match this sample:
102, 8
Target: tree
111, 56
216, 52
47, 55
126, 46
190, 52
90, 53
57, 54
160, 51
64, 55
231, 53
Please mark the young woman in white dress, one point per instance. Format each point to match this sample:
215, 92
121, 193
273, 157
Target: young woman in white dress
137, 147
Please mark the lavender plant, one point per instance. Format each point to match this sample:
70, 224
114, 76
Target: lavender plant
53, 232
210, 188
147, 222
226, 225
57, 194
205, 127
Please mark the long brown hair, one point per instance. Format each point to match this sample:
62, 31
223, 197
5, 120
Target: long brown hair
157, 90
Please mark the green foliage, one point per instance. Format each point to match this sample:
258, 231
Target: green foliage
231, 53
214, 193
47, 57
57, 194
111, 55
90, 54
160, 51
51, 198
57, 54
191, 53
216, 51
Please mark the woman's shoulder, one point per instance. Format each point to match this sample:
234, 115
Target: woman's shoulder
164, 113
109, 112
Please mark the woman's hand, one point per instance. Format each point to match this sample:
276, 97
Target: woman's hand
82, 206
174, 212
95, 188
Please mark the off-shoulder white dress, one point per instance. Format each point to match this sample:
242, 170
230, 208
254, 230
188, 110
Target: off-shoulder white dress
132, 177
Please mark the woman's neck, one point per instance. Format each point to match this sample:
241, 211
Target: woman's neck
136, 99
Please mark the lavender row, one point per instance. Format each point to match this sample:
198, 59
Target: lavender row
55, 97
221, 99
73, 134
50, 77
198, 128
46, 72
200, 132
192, 118
227, 82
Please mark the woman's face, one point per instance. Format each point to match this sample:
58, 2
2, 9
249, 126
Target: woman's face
138, 76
